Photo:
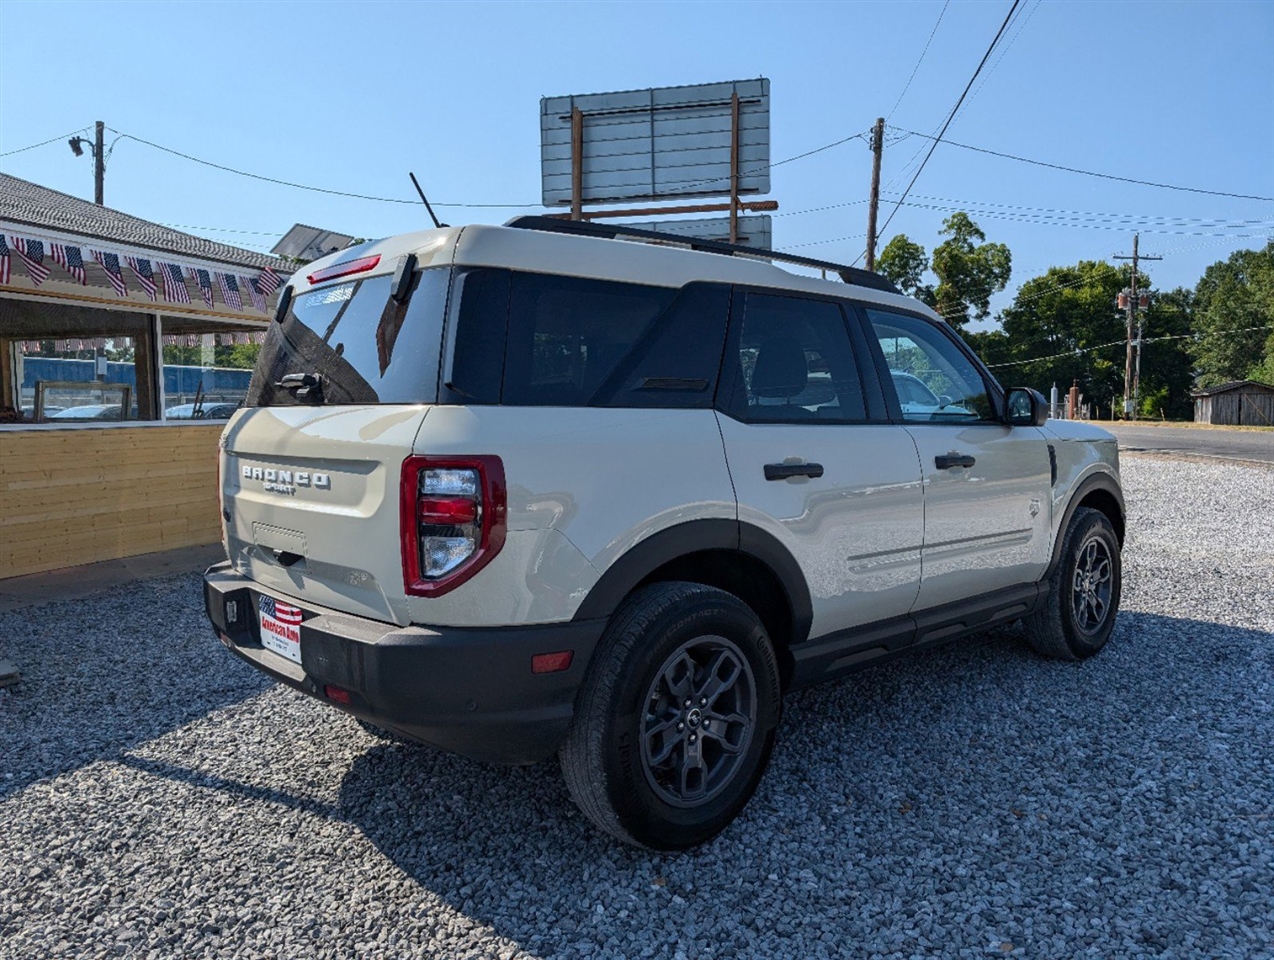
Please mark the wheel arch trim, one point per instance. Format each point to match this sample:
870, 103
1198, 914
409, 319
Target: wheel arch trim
695, 536
1102, 482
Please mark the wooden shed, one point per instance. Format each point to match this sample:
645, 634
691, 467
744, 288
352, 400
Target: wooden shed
1240, 403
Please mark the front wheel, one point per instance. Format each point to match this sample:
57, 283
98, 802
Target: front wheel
1078, 615
676, 720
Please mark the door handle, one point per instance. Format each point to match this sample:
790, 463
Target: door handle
944, 460
782, 471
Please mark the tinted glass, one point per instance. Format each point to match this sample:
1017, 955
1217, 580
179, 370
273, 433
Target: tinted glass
479, 324
796, 363
934, 380
365, 346
568, 335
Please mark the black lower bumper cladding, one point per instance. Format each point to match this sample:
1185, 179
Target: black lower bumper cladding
467, 690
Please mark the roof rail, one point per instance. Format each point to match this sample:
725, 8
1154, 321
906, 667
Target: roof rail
585, 228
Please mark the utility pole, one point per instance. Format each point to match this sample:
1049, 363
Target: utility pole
1132, 374
877, 147
99, 164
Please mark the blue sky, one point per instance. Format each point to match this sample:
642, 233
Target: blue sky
351, 95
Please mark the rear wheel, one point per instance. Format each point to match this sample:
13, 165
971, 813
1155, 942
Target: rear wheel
676, 720
1078, 615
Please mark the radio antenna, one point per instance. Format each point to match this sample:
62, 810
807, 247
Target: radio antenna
425, 200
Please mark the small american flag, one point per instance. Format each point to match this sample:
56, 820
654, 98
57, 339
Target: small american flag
281, 611
174, 286
4, 260
258, 298
32, 254
70, 259
145, 276
204, 281
230, 291
268, 281
110, 263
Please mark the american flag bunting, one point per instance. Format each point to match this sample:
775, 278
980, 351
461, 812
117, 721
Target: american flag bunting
230, 291
70, 259
110, 263
145, 276
268, 281
32, 254
254, 292
4, 260
204, 281
174, 285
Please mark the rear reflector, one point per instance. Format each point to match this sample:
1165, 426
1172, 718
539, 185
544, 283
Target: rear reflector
361, 265
336, 694
448, 510
552, 662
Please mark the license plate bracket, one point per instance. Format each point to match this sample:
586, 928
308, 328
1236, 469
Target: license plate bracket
281, 627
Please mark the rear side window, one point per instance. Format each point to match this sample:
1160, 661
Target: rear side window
366, 347
795, 363
567, 335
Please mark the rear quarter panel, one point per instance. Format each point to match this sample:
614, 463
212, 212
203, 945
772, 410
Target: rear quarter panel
584, 486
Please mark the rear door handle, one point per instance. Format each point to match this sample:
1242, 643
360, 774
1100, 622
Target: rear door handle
782, 471
944, 460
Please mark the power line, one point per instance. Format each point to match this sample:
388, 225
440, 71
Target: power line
1089, 173
303, 186
1140, 217
951, 116
42, 143
1003, 53
907, 86
1078, 351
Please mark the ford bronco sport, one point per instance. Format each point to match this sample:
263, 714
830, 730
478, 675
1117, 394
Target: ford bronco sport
554, 487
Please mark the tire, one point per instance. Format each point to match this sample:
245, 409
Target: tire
628, 766
1084, 589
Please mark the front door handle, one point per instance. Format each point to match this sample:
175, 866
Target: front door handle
782, 471
944, 460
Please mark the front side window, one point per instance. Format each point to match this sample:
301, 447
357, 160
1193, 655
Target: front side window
934, 380
795, 363
361, 345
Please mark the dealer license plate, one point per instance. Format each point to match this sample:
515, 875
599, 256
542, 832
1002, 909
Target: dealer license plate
281, 628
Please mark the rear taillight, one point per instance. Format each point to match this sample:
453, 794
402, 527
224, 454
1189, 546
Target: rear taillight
453, 512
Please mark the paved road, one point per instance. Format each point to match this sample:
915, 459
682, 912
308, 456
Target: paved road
1202, 442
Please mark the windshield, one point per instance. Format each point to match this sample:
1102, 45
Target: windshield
365, 347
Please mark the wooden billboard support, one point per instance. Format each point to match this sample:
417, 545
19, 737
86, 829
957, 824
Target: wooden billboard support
734, 167
577, 164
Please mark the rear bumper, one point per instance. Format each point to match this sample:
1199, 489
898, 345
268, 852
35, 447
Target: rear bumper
467, 690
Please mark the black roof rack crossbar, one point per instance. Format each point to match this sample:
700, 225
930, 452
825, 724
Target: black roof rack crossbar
861, 278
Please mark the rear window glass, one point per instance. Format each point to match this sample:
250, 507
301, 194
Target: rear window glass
366, 347
567, 335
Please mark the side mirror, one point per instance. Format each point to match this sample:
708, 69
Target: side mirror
1025, 407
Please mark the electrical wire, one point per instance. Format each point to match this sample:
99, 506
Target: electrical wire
42, 143
1147, 218
951, 116
1091, 173
303, 186
1124, 342
907, 86
1003, 53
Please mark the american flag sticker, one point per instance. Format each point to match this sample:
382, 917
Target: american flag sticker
281, 628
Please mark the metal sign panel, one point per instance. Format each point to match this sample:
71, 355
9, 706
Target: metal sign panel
754, 231
309, 243
658, 143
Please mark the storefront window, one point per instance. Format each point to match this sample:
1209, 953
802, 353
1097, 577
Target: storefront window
207, 366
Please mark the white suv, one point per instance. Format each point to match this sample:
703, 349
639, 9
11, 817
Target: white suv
561, 488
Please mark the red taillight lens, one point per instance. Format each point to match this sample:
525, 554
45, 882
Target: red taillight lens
453, 512
361, 265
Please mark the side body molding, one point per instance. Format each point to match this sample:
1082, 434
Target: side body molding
697, 536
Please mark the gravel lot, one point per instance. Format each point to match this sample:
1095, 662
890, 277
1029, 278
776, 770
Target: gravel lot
160, 799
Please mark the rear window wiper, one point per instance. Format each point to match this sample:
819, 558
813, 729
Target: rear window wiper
304, 387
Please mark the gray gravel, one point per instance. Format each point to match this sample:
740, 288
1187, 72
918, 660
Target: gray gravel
160, 799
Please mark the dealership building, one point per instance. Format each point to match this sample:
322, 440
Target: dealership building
124, 346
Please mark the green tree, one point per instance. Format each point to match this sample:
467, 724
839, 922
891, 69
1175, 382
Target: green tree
1050, 332
1167, 372
1233, 309
905, 262
969, 271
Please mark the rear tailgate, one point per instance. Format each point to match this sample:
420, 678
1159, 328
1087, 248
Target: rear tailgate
310, 502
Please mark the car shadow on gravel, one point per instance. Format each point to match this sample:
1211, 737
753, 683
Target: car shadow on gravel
103, 674
962, 767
